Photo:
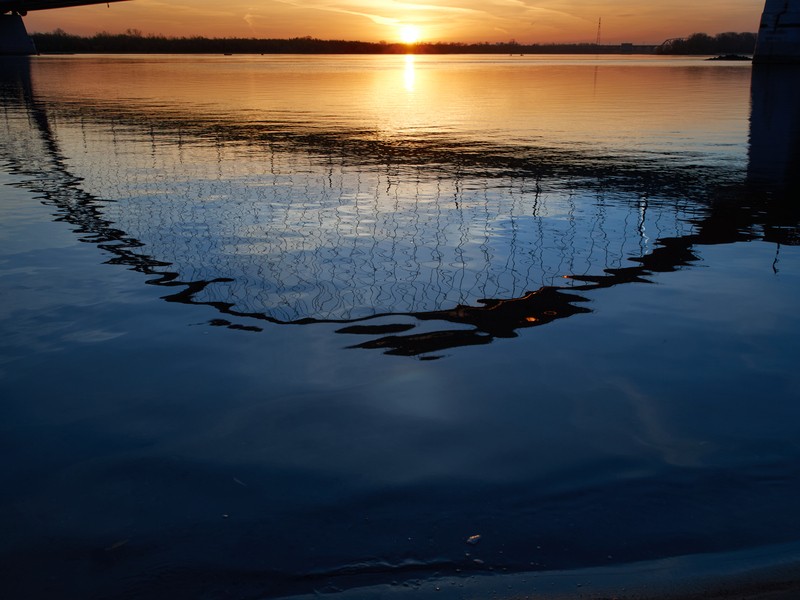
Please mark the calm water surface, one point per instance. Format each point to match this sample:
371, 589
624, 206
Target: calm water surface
274, 326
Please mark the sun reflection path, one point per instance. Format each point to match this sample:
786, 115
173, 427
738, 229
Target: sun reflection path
410, 74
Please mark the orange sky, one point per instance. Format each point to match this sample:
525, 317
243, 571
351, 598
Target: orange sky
543, 21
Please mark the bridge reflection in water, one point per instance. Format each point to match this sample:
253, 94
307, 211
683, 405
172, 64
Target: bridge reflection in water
413, 247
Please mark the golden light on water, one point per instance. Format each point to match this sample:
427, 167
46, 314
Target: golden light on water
410, 74
410, 34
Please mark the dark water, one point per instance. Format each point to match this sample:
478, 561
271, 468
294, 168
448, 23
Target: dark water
277, 326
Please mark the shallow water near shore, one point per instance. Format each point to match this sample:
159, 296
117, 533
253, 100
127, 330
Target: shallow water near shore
276, 326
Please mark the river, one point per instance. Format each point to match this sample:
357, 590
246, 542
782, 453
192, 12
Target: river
379, 325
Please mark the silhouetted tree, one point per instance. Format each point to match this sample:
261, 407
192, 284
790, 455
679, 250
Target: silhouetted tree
702, 43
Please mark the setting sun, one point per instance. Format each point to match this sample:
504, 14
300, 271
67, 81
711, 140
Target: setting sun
409, 34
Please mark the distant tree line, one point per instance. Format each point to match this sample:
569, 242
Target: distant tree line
702, 43
133, 41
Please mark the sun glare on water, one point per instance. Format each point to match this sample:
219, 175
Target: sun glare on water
409, 34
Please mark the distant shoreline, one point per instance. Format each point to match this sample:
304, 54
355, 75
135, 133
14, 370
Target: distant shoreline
134, 42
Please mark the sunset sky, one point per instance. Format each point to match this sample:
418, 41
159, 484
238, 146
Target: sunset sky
540, 21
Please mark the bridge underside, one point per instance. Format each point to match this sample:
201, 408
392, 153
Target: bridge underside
22, 7
14, 39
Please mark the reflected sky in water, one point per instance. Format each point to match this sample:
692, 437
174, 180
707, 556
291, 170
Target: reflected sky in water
600, 253
378, 200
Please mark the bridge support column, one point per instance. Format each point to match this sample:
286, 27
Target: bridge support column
14, 39
779, 35
775, 129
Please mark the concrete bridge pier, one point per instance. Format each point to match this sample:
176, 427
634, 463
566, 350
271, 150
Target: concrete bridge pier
775, 130
14, 38
779, 34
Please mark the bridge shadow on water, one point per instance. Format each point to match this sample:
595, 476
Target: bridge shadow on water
711, 205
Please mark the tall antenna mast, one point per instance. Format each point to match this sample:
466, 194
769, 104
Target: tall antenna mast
599, 26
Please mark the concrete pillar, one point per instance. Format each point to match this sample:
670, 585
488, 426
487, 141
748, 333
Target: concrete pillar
775, 129
14, 39
779, 34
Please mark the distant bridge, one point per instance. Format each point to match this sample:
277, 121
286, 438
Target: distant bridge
14, 38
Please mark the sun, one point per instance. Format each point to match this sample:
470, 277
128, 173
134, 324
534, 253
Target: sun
409, 34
